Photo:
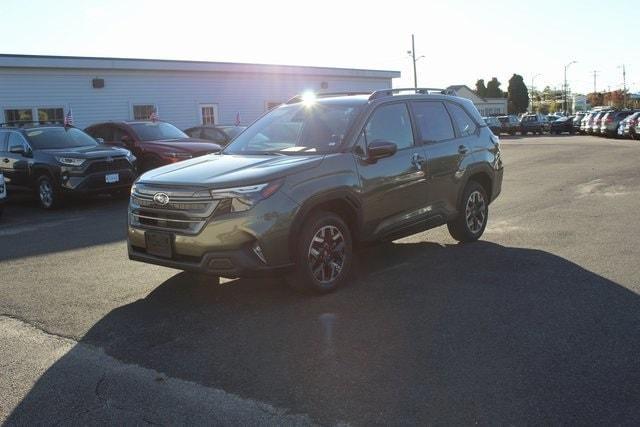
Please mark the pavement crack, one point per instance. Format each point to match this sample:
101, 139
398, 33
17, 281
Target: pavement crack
39, 327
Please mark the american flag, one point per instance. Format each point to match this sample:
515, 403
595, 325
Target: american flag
238, 118
68, 119
154, 117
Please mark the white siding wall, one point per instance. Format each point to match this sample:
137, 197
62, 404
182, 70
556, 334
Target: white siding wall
176, 94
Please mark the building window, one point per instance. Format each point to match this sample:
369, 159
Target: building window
18, 115
50, 115
143, 111
208, 114
273, 104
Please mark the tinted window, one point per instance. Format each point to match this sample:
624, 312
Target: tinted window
3, 140
156, 131
194, 132
466, 125
390, 123
433, 121
16, 140
59, 137
102, 131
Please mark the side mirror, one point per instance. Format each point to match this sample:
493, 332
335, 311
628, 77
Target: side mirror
100, 140
17, 149
380, 149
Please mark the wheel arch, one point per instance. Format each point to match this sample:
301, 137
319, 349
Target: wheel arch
483, 176
341, 202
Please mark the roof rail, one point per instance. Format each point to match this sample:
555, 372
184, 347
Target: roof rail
299, 97
419, 91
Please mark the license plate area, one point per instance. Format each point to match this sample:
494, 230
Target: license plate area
159, 244
111, 178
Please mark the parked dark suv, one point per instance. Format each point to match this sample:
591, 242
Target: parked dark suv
510, 124
532, 123
57, 161
154, 143
311, 179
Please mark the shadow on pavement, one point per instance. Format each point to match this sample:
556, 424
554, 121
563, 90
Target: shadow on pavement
426, 333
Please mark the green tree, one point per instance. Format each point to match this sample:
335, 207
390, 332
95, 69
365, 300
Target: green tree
518, 95
481, 89
493, 89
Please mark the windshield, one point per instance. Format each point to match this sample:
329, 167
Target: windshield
298, 128
59, 137
156, 131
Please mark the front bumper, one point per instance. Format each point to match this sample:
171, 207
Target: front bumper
225, 245
96, 182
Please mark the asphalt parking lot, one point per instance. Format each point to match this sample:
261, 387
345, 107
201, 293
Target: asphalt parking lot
537, 323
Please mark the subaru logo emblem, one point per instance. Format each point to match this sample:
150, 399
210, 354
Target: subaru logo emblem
161, 198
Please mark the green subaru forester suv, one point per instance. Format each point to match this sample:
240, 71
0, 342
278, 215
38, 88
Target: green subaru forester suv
298, 190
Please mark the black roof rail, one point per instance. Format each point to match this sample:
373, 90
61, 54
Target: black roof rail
299, 97
419, 91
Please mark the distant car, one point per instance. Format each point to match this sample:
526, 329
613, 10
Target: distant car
597, 122
3, 193
552, 117
586, 122
532, 123
562, 125
154, 143
494, 124
577, 120
509, 124
629, 124
610, 121
56, 161
221, 134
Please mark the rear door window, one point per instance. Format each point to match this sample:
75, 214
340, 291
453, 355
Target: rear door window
466, 125
433, 121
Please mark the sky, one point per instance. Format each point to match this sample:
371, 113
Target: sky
461, 40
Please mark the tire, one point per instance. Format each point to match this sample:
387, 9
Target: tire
472, 219
49, 195
323, 256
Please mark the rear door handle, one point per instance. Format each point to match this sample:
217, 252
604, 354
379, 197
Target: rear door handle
463, 149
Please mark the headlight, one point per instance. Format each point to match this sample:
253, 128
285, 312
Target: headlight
70, 161
241, 199
180, 156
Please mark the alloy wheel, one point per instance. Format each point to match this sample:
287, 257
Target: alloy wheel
326, 255
475, 212
45, 191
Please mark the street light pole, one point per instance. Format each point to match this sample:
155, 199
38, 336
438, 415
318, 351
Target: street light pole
624, 86
413, 54
565, 85
532, 80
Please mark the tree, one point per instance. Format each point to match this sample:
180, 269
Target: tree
493, 89
518, 95
595, 99
481, 89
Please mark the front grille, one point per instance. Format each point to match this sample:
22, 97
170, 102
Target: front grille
108, 166
186, 212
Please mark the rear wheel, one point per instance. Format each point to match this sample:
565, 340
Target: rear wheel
49, 194
323, 256
473, 213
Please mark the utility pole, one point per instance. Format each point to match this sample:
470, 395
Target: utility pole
624, 86
532, 80
412, 52
595, 73
413, 55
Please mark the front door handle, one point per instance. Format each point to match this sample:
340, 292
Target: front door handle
418, 161
463, 150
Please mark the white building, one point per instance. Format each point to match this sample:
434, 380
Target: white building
579, 102
185, 93
486, 106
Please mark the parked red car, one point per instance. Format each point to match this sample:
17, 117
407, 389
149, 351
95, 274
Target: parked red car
154, 143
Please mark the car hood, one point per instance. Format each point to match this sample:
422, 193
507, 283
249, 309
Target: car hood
189, 145
229, 170
94, 152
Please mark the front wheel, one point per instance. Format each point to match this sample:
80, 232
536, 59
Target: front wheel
323, 256
473, 213
48, 194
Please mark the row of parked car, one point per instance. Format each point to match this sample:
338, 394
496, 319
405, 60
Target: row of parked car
606, 122
57, 160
